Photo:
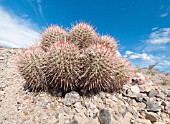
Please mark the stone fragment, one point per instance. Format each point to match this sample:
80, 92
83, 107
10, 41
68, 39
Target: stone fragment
153, 93
166, 91
159, 122
135, 89
90, 113
153, 107
114, 98
139, 97
130, 94
153, 117
67, 110
44, 105
77, 105
141, 106
104, 117
71, 98
128, 117
139, 79
74, 121
145, 88
1, 58
143, 121
107, 95
57, 115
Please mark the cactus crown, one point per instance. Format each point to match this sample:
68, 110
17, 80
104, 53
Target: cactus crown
82, 34
63, 62
109, 42
32, 68
51, 35
99, 68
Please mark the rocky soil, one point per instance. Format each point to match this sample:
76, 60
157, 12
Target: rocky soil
136, 104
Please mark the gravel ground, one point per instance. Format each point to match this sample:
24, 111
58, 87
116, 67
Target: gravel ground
136, 106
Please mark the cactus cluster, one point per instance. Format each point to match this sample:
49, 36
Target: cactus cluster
77, 59
32, 67
52, 35
64, 65
83, 35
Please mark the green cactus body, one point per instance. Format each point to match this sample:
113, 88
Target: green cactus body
82, 34
99, 65
64, 65
109, 42
51, 35
32, 67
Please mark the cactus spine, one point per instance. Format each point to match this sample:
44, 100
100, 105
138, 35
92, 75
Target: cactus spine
82, 34
99, 64
33, 69
109, 42
122, 71
79, 59
64, 65
51, 35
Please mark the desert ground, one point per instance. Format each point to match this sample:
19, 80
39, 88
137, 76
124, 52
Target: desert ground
136, 104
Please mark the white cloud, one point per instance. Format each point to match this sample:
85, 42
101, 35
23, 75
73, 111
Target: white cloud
155, 28
128, 52
143, 56
165, 63
145, 59
160, 36
163, 14
134, 56
40, 7
36, 6
15, 31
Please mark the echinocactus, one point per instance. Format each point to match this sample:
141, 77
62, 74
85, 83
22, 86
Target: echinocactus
64, 65
51, 35
109, 42
82, 34
78, 60
32, 67
98, 65
122, 71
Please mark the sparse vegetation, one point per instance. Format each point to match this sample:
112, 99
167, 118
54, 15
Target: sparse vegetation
150, 69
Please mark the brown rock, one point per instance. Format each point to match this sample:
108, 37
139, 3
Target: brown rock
153, 117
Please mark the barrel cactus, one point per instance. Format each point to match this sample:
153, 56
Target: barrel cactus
122, 72
99, 65
109, 42
33, 68
82, 34
51, 35
76, 60
64, 66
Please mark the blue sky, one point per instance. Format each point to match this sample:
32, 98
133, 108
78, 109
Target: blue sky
141, 27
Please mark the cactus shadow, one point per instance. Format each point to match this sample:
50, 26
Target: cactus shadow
57, 92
